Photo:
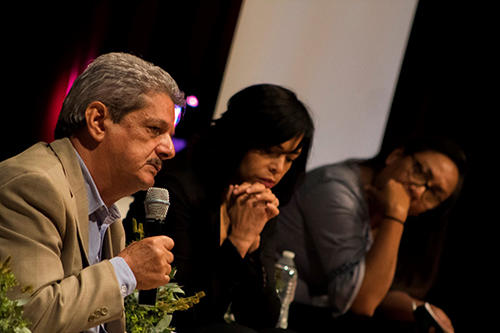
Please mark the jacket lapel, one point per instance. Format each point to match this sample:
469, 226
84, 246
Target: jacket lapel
66, 154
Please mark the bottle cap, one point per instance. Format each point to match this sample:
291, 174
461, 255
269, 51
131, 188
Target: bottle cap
288, 254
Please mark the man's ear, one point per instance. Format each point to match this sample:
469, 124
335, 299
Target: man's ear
95, 114
395, 155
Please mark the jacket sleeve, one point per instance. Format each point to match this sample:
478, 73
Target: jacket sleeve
38, 230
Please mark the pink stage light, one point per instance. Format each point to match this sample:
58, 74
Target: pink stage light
192, 101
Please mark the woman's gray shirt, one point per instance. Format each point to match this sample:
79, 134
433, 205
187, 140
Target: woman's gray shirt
327, 225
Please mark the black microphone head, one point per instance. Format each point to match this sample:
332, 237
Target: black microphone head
156, 203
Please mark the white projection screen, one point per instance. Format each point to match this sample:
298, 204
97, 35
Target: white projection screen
341, 57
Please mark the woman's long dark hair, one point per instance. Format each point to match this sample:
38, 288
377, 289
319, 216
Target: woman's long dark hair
257, 117
424, 235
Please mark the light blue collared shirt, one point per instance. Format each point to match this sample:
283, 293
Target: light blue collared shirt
100, 218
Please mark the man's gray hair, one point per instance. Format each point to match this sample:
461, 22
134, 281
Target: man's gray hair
118, 80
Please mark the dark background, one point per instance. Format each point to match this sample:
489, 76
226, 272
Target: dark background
443, 88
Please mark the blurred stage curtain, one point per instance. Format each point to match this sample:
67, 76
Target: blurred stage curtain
49, 45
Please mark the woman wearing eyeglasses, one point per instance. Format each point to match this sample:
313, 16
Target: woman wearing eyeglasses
348, 222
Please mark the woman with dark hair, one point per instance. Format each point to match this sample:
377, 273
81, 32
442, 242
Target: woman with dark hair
224, 192
345, 223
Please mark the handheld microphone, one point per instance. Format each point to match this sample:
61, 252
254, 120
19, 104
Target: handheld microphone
156, 206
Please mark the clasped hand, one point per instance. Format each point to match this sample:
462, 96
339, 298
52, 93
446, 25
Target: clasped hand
249, 207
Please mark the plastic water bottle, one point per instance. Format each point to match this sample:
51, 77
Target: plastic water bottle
286, 282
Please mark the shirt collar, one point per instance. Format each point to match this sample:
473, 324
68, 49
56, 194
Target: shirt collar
96, 204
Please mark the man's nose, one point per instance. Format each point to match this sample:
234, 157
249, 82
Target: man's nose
165, 149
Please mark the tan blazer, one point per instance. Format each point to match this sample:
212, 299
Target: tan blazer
44, 228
